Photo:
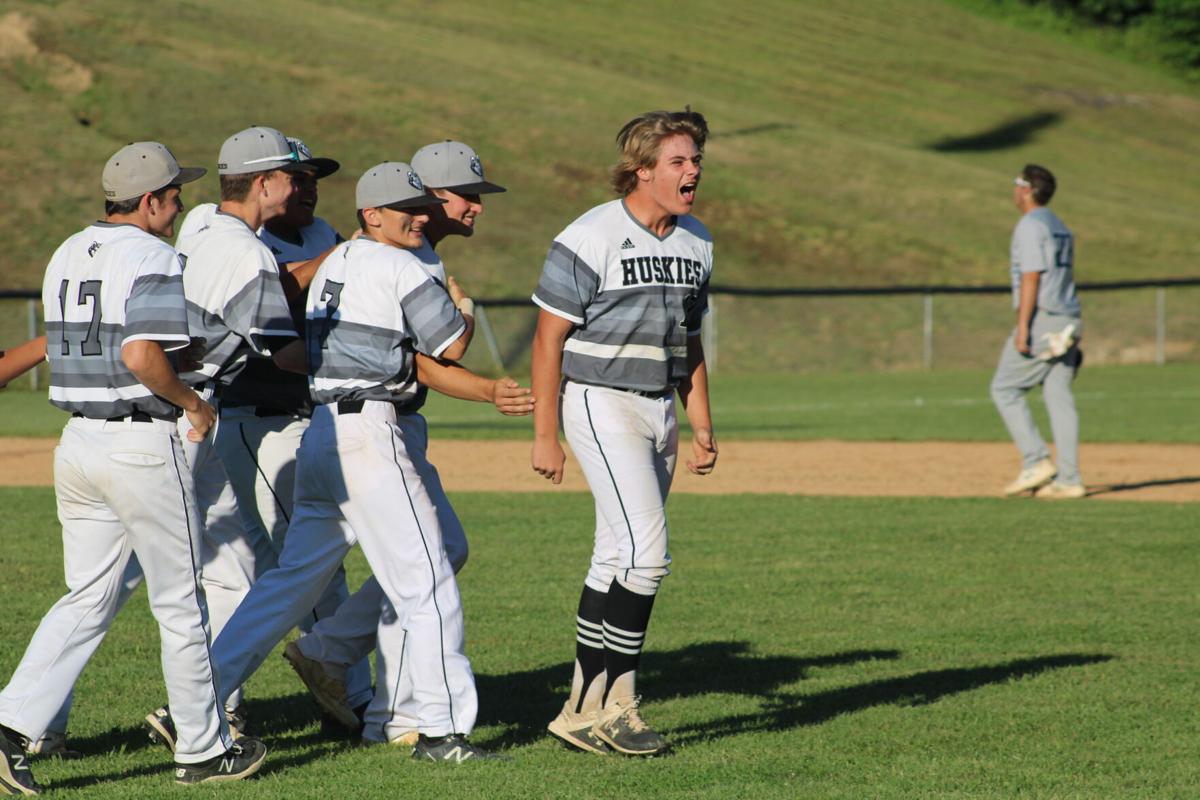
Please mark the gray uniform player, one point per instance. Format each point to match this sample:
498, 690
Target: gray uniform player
114, 304
454, 173
236, 306
622, 296
371, 307
1043, 350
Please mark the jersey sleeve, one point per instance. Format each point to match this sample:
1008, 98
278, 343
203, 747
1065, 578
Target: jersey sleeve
155, 309
698, 309
570, 278
258, 311
1030, 238
430, 316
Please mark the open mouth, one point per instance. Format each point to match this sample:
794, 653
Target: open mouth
688, 191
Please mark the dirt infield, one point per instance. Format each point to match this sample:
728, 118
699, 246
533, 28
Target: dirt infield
1168, 473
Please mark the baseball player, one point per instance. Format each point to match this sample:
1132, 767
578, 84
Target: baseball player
1043, 349
370, 306
265, 410
114, 304
622, 296
236, 305
454, 173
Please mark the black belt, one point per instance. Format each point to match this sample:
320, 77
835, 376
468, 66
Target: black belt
655, 395
356, 407
137, 416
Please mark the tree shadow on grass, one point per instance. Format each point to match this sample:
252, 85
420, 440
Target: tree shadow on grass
525, 701
787, 711
1013, 133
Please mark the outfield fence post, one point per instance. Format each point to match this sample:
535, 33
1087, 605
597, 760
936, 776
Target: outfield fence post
31, 316
927, 332
489, 336
709, 332
1160, 325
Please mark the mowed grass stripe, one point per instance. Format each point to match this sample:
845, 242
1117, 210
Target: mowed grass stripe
802, 647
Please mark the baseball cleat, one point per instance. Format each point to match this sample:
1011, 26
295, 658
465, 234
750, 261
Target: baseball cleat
160, 727
15, 775
1035, 477
1061, 491
53, 744
451, 749
575, 731
406, 739
329, 690
240, 761
620, 726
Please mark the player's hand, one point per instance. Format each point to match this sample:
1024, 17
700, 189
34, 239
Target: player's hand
1021, 341
202, 420
704, 450
191, 358
457, 295
511, 398
549, 460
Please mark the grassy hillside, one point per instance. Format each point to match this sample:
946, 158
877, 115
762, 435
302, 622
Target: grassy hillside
857, 142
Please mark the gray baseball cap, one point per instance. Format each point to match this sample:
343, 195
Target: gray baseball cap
454, 166
392, 184
324, 166
259, 149
143, 167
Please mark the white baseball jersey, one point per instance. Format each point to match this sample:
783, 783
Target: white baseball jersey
314, 240
235, 300
392, 309
106, 286
431, 262
1042, 243
634, 298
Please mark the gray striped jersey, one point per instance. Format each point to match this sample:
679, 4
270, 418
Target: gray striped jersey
634, 298
370, 307
234, 298
105, 286
1042, 243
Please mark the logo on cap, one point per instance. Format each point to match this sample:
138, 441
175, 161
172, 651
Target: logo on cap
476, 166
415, 182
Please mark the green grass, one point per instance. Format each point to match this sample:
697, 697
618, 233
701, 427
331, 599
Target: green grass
865, 142
802, 647
1116, 404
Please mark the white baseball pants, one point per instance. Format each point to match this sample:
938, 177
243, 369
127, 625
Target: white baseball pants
123, 487
356, 483
626, 446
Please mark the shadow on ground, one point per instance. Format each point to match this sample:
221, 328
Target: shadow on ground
1013, 133
1133, 486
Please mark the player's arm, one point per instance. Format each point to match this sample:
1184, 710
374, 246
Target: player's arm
148, 363
21, 359
693, 393
297, 276
455, 380
466, 307
548, 458
1026, 305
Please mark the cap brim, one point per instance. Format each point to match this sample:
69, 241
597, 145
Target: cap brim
483, 187
325, 166
298, 166
189, 174
416, 202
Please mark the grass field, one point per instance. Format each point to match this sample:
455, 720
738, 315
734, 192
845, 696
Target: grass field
1116, 404
803, 647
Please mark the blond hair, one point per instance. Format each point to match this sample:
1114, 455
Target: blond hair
640, 142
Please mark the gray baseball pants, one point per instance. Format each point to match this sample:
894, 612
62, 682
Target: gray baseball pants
1016, 374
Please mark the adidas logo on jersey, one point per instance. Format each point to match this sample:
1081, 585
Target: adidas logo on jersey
627, 245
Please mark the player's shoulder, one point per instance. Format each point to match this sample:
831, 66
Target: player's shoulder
693, 227
1039, 220
594, 228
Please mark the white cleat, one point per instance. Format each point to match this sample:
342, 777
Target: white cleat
1061, 491
1035, 477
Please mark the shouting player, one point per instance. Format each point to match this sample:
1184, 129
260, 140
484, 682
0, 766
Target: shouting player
622, 296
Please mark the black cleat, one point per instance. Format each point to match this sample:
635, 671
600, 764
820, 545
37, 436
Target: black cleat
15, 775
240, 761
621, 727
452, 749
161, 727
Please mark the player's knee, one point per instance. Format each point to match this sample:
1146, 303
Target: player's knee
642, 580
